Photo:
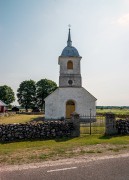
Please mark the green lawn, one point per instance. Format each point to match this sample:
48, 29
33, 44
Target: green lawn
20, 118
37, 151
115, 111
94, 130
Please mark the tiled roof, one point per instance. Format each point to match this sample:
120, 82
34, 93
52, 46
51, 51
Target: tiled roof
2, 103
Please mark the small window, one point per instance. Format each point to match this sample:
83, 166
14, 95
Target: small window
70, 65
70, 82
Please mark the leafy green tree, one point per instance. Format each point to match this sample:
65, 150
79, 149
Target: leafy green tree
44, 87
6, 94
26, 94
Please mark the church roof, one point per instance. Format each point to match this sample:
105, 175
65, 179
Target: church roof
69, 50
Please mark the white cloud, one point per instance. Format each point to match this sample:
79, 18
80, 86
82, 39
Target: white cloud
123, 20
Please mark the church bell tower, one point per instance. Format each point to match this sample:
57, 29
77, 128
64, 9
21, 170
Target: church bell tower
69, 61
70, 96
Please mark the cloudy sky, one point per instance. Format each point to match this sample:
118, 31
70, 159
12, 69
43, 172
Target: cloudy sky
33, 34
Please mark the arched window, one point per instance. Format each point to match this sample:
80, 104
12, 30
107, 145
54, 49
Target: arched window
70, 65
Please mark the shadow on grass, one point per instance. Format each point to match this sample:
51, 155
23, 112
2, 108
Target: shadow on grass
63, 139
38, 119
105, 137
57, 139
109, 137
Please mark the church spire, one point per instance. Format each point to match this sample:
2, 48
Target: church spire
69, 42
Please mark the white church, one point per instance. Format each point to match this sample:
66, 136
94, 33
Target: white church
70, 96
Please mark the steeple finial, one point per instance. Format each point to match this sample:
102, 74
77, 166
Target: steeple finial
69, 42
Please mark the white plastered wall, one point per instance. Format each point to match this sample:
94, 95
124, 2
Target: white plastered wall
55, 104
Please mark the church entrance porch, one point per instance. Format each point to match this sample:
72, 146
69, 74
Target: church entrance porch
70, 108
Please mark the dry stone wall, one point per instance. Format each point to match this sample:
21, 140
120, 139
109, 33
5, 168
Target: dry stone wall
29, 131
122, 126
114, 127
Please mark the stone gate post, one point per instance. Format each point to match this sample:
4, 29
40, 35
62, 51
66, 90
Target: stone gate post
75, 119
110, 124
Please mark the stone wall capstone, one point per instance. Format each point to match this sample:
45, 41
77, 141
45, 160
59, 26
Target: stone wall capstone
75, 120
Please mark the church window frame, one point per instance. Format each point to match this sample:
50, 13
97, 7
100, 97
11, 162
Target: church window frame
70, 64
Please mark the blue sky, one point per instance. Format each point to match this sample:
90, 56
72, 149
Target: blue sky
33, 34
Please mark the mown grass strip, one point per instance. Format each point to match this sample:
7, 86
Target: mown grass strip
37, 151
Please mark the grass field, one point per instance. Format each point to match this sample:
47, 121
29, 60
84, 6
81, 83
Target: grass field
37, 151
94, 130
20, 118
115, 111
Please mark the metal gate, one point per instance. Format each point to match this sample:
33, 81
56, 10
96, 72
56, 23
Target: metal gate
92, 124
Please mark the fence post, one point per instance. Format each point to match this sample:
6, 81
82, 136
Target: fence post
75, 119
110, 124
90, 121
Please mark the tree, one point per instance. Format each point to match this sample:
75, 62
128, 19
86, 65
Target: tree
26, 94
6, 94
44, 87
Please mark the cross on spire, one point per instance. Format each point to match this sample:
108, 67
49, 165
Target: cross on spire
69, 26
69, 42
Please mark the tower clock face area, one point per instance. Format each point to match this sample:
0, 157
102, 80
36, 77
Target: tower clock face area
70, 82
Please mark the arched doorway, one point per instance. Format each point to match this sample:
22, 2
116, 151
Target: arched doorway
70, 108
